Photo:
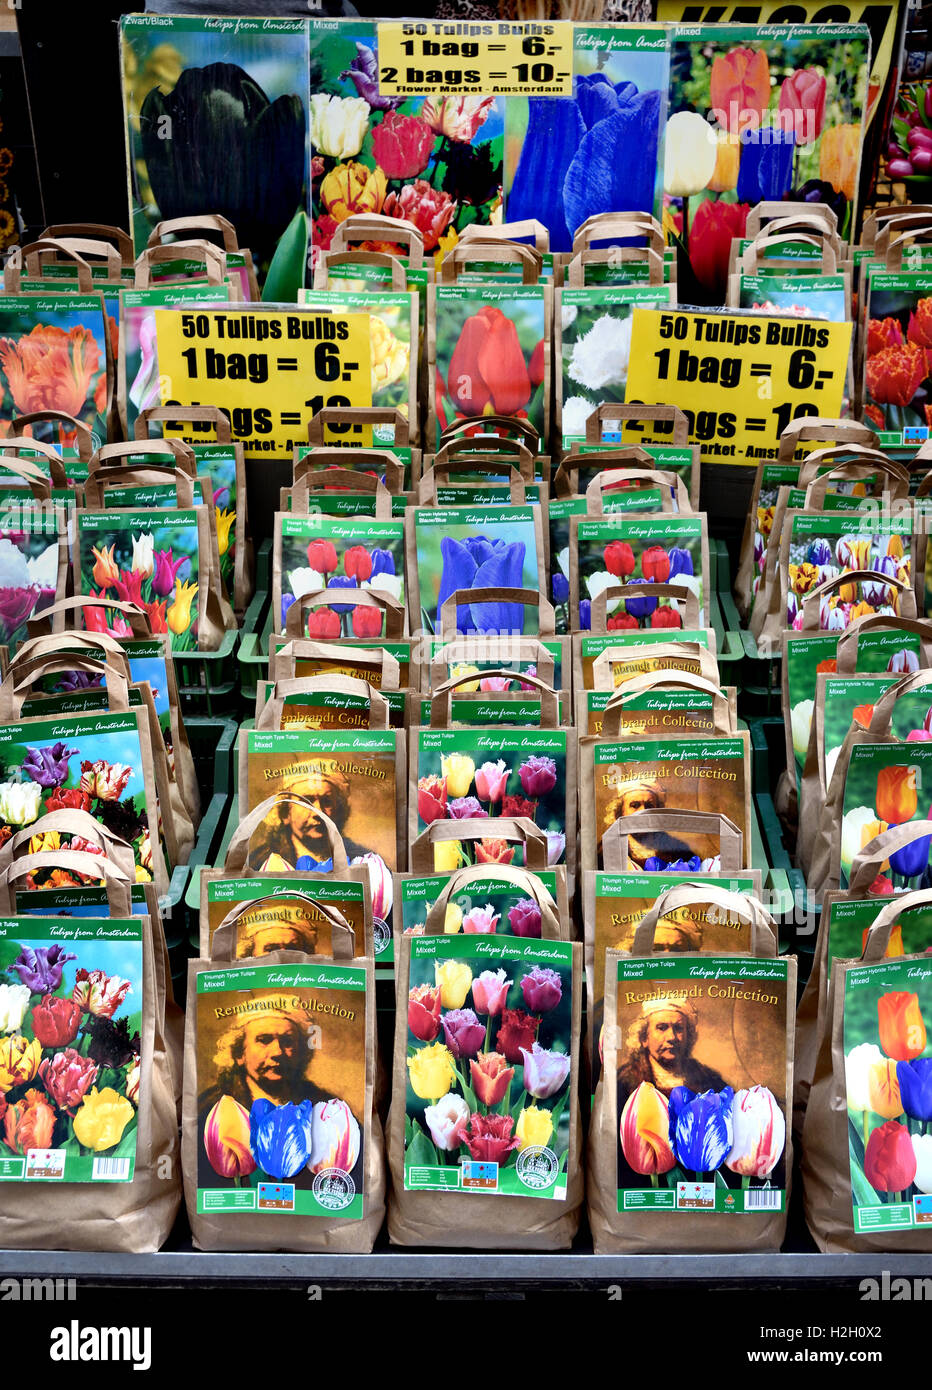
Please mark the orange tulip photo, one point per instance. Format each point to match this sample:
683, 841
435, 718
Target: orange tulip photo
54, 358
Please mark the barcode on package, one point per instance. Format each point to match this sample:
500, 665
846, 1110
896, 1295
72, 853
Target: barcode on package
762, 1199
111, 1169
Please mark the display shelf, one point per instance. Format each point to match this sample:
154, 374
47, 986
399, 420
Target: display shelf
440, 1267
208, 681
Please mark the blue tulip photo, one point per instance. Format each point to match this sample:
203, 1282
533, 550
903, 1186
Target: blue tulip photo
701, 1127
280, 1137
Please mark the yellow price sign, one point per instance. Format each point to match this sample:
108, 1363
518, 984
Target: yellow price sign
269, 373
739, 379
436, 57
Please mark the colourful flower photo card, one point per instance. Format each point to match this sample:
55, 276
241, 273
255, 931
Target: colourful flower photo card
491, 1066
56, 353
897, 363
97, 762
885, 785
453, 549
623, 549
281, 1090
72, 1003
593, 346
702, 1093
817, 546
336, 552
138, 381
153, 558
886, 1061
459, 774
487, 349
393, 346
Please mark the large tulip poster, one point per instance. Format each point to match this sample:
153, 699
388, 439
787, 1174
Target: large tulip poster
491, 1066
600, 150
70, 1051
760, 113
702, 1084
888, 1008
217, 121
281, 1090
286, 916
887, 784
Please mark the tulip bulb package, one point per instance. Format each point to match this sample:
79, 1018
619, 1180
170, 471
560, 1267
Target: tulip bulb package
641, 661
817, 546
614, 904
703, 1069
281, 1089
887, 784
465, 773
138, 375
33, 566
89, 762
333, 552
284, 919
488, 352
808, 657
313, 658
593, 345
809, 296
459, 548
152, 558
886, 1006
70, 1054
648, 715
490, 1067
695, 774
55, 354
760, 114
896, 366
623, 549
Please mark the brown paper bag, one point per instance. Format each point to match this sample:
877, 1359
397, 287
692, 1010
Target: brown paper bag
482, 1220
133, 1216
340, 1161
625, 1146
619, 660
855, 1169
615, 856
620, 715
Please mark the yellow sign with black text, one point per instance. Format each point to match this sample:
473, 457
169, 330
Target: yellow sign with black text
739, 379
269, 372
438, 57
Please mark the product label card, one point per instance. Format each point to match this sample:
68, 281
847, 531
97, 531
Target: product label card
850, 921
488, 905
149, 557
86, 762
281, 1080
888, 784
686, 774
329, 552
477, 548
489, 1064
886, 1052
649, 714
702, 1052
69, 1055
68, 333
500, 662
809, 296
822, 546
292, 922
508, 772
